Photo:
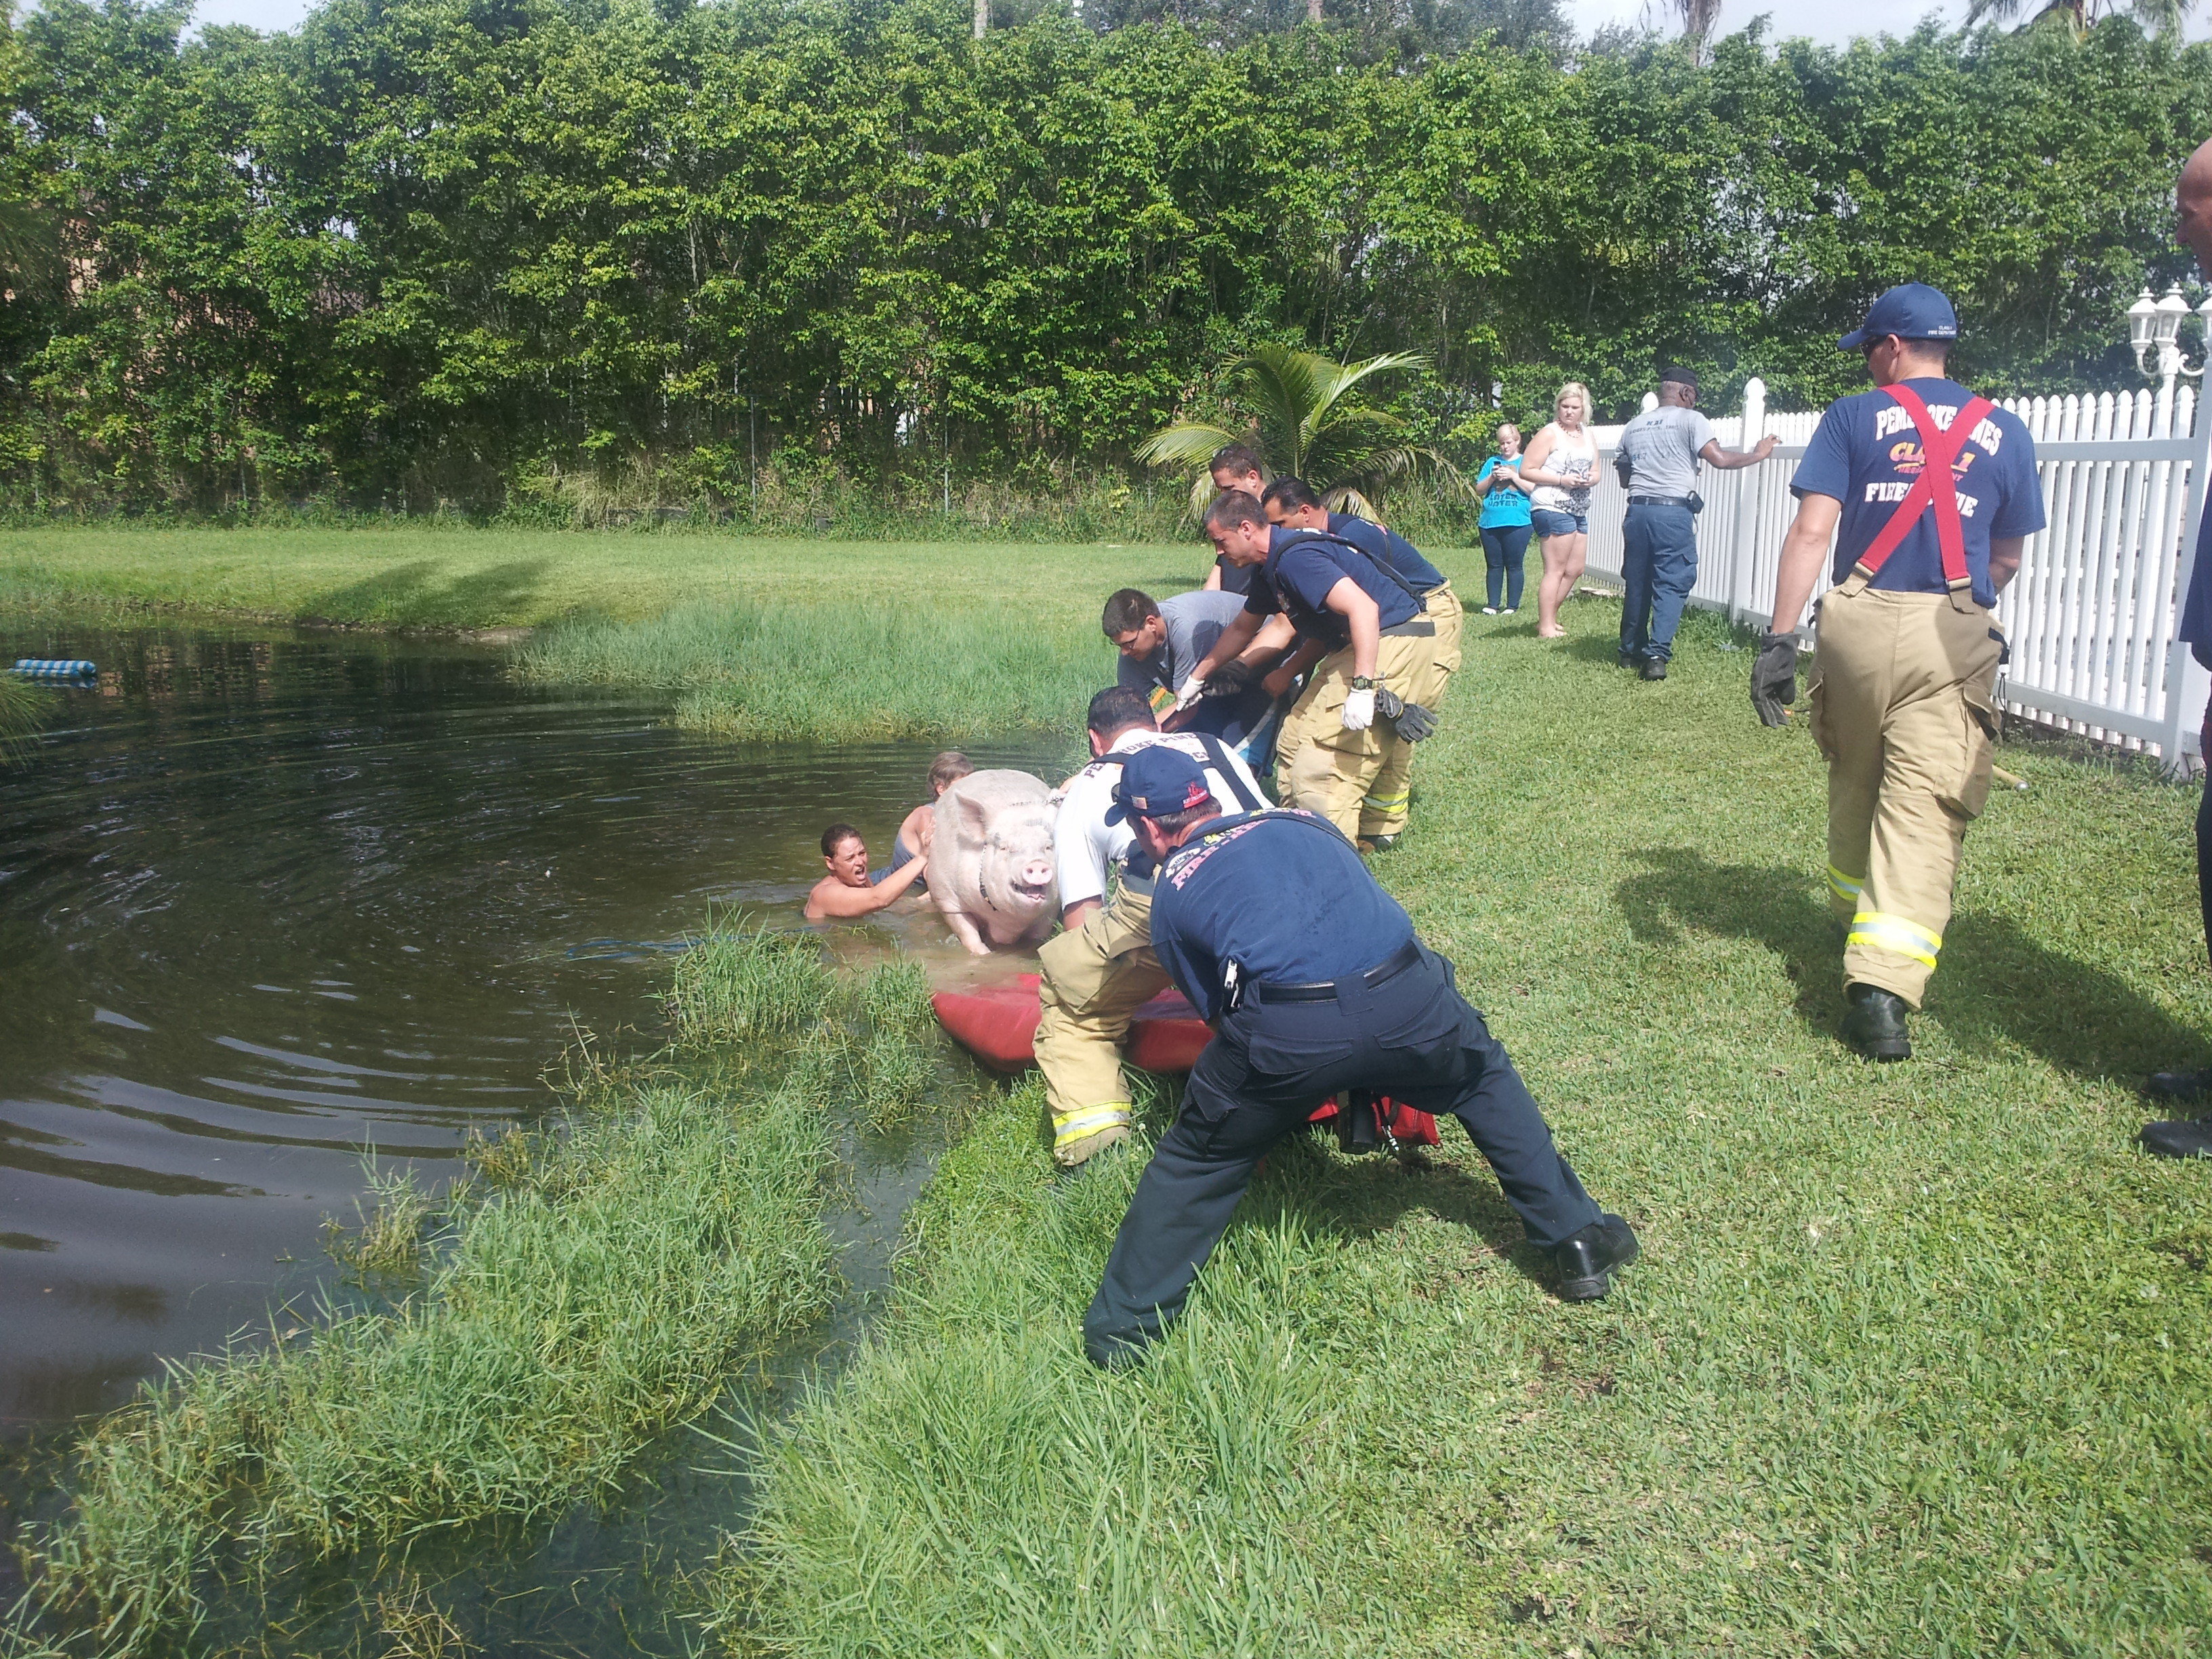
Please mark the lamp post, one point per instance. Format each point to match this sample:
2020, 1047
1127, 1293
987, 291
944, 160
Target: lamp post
2158, 323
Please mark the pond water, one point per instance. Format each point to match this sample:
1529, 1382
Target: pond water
271, 900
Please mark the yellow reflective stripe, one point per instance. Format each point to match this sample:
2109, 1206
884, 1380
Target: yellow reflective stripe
1090, 1120
1396, 803
1844, 886
1886, 932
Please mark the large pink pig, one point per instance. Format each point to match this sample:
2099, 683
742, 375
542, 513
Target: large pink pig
991, 869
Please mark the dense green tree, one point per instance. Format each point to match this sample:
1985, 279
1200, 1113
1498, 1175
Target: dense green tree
446, 251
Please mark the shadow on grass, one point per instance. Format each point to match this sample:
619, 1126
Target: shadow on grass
1603, 649
1357, 1198
414, 593
1997, 985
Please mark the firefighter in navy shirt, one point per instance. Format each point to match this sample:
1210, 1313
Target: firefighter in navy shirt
1361, 627
1332, 993
1929, 492
1293, 504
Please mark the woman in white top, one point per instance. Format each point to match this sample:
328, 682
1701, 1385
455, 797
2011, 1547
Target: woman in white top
1560, 468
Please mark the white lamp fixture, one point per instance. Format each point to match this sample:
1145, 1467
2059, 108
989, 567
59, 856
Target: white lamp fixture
2156, 325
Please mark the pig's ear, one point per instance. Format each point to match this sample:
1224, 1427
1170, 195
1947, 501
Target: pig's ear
975, 815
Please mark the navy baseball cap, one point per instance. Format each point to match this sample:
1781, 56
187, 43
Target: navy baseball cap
1157, 780
1911, 311
1676, 374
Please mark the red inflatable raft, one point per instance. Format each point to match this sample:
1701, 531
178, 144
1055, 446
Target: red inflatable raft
998, 1024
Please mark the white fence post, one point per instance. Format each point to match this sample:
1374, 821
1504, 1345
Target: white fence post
1743, 550
2185, 681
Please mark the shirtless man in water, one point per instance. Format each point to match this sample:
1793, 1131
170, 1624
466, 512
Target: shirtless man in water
845, 893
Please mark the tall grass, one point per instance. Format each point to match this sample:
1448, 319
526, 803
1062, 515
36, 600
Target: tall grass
607, 1293
873, 668
973, 1473
22, 707
740, 983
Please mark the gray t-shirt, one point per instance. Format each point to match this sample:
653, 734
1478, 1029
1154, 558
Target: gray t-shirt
1194, 622
1661, 445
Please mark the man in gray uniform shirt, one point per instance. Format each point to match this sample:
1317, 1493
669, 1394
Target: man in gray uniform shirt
1662, 448
1161, 642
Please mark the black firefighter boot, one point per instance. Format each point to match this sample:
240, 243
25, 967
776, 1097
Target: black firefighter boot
1875, 1025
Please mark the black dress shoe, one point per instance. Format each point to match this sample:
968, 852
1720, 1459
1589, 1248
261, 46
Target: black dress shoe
1876, 1024
2179, 1085
2190, 1139
1586, 1261
1655, 668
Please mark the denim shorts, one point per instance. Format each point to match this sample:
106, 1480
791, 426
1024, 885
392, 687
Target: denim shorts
1549, 522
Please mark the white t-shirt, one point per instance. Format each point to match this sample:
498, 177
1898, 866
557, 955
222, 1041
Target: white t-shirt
1084, 843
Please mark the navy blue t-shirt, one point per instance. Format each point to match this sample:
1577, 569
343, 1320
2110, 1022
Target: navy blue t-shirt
1220, 900
1301, 567
1867, 455
1387, 545
1235, 578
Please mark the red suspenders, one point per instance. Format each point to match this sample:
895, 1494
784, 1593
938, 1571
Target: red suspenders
1938, 449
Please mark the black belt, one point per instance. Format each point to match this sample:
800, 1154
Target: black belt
1405, 956
1658, 501
1404, 629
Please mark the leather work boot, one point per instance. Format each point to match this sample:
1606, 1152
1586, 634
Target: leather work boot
1586, 1261
1655, 668
2188, 1139
1875, 1024
2180, 1087
1076, 1154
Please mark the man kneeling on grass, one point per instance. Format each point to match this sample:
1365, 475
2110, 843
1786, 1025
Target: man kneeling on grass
1314, 983
848, 892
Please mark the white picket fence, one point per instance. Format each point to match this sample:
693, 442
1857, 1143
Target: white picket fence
2091, 617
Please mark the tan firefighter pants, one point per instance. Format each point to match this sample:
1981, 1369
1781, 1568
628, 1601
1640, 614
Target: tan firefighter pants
1382, 812
1327, 770
1094, 979
1903, 709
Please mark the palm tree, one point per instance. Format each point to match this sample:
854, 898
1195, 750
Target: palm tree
2159, 16
1698, 17
1311, 426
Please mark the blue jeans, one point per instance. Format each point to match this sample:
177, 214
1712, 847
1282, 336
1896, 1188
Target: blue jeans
1503, 547
1659, 565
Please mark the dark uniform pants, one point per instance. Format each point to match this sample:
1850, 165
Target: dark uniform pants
1658, 567
1414, 1036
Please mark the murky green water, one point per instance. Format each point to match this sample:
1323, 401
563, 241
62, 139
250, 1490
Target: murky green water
269, 901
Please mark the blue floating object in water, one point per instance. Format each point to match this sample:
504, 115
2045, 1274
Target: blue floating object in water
56, 668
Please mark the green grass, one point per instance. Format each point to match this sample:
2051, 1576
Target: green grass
602, 1285
1918, 1360
420, 577
870, 669
738, 983
22, 707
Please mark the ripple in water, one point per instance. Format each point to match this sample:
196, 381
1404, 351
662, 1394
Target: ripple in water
268, 901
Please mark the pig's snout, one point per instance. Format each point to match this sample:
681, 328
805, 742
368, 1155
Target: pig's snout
1037, 874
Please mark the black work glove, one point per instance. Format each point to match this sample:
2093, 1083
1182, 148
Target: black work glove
1413, 722
1232, 679
1774, 677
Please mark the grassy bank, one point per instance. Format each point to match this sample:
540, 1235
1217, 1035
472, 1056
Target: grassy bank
1917, 1360
601, 1281
411, 576
867, 670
